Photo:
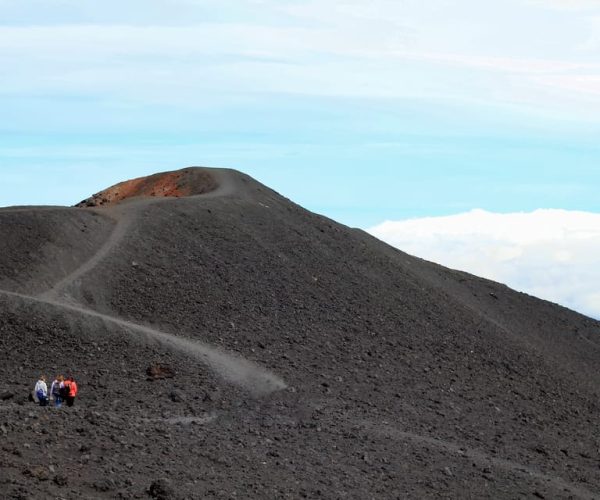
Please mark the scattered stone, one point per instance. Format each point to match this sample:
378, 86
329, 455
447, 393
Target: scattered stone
177, 396
40, 473
60, 480
104, 485
159, 371
161, 489
211, 396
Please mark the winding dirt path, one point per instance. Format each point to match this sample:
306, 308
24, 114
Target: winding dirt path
484, 459
231, 367
237, 370
59, 290
124, 215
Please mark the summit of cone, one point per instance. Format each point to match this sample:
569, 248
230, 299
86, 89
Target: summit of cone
185, 182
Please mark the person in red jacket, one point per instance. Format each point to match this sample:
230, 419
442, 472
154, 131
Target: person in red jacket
70, 391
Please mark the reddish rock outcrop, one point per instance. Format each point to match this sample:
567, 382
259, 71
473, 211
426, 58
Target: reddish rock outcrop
186, 182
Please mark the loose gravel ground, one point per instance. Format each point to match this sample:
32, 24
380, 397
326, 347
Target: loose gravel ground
396, 378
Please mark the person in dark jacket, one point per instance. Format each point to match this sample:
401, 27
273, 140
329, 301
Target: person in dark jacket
56, 390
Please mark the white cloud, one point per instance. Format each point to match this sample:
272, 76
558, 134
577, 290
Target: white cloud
568, 4
552, 254
385, 49
582, 84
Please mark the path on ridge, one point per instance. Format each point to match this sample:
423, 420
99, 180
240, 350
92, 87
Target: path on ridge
231, 367
124, 215
123, 222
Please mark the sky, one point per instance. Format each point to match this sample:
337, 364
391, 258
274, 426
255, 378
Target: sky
363, 111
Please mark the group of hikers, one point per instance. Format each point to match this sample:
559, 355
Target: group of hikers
62, 389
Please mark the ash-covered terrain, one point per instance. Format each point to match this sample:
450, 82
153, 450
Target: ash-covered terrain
230, 344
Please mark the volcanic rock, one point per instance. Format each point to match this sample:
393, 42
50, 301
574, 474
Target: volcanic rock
6, 395
177, 396
312, 359
159, 371
161, 489
186, 182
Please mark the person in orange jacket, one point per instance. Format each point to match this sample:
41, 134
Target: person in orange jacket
70, 390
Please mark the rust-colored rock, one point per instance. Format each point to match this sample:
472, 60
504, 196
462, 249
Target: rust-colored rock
186, 182
159, 371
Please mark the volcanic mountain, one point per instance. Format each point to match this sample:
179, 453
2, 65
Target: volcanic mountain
230, 344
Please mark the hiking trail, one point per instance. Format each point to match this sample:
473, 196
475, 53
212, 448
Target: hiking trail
231, 367
481, 458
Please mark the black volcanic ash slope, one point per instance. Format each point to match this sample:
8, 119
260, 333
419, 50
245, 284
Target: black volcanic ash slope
402, 378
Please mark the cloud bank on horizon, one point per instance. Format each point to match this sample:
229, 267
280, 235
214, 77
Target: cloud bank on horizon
551, 254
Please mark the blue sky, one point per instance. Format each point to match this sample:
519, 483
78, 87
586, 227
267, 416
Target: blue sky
362, 111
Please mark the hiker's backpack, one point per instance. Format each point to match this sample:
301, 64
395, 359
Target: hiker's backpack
64, 390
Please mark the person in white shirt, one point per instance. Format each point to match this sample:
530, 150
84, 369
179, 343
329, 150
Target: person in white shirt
41, 391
